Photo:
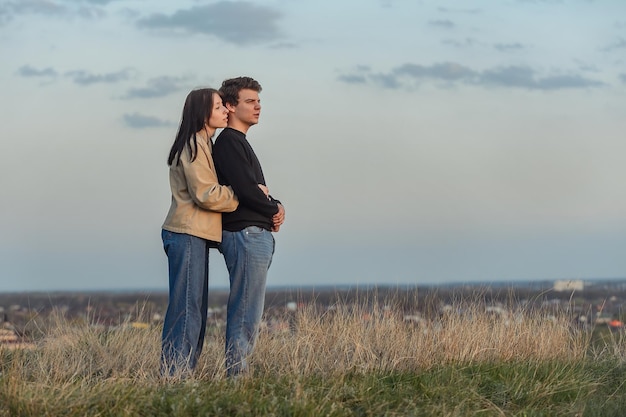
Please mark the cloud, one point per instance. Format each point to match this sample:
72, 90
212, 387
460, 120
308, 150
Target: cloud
623, 77
388, 4
352, 79
388, 81
466, 11
99, 2
141, 121
284, 45
35, 7
466, 43
409, 75
541, 1
91, 12
158, 87
618, 44
28, 71
82, 77
447, 24
506, 47
90, 9
240, 23
587, 67
448, 71
10, 9
525, 77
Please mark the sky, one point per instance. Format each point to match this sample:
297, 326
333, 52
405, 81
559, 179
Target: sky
411, 142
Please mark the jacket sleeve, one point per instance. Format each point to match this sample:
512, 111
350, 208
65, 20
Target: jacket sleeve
236, 170
202, 183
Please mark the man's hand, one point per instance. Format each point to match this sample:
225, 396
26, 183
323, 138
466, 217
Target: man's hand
278, 219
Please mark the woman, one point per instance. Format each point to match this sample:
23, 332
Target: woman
193, 226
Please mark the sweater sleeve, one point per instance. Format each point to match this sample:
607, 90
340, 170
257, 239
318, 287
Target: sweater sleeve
236, 170
202, 184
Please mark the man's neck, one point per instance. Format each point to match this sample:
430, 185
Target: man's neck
237, 125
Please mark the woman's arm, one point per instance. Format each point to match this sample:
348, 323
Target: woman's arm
202, 183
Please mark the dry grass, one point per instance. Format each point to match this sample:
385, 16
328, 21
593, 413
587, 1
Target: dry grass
347, 338
349, 360
362, 340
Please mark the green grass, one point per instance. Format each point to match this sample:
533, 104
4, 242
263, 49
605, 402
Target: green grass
552, 388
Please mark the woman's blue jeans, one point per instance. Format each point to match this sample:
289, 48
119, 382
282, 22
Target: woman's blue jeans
248, 254
185, 321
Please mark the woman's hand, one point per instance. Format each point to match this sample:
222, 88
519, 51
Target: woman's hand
265, 190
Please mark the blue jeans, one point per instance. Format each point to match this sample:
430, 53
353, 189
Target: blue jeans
248, 255
185, 321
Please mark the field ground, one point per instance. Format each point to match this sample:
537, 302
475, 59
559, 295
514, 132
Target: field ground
358, 358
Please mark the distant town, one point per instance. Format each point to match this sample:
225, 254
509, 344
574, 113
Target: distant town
588, 302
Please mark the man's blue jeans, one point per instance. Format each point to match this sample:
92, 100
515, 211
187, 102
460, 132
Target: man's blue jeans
185, 321
248, 254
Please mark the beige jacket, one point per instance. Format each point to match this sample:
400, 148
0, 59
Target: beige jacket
198, 200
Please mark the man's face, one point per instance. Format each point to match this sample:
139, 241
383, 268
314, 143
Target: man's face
248, 109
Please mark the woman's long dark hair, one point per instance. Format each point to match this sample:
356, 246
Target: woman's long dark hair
196, 112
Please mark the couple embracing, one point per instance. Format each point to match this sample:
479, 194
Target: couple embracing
219, 200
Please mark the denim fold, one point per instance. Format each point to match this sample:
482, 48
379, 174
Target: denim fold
248, 255
185, 322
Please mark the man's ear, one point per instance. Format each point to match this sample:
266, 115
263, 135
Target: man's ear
230, 107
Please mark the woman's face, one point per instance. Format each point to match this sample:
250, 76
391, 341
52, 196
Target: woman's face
219, 113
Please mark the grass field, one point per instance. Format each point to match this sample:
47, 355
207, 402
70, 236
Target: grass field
352, 360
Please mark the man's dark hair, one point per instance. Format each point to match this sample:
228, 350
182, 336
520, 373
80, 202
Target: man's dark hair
230, 88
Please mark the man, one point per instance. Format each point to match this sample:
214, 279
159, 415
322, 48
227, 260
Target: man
247, 241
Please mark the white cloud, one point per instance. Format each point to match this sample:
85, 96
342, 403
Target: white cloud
29, 71
85, 78
158, 87
238, 22
409, 75
89, 9
446, 24
507, 47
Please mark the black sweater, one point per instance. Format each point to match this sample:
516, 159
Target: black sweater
238, 166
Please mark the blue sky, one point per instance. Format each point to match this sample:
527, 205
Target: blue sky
411, 142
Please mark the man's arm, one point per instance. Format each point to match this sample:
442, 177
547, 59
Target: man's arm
236, 170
